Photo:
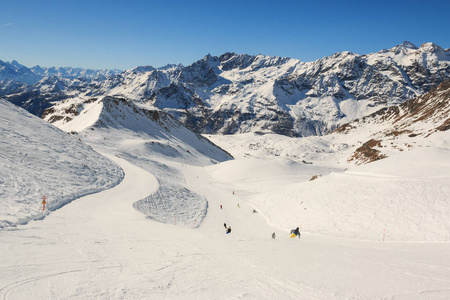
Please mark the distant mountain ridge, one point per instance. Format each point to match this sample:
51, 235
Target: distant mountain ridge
236, 93
18, 72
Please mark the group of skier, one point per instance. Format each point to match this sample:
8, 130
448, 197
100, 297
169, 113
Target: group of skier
294, 232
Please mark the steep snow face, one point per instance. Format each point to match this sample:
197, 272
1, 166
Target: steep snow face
86, 112
84, 115
38, 159
150, 138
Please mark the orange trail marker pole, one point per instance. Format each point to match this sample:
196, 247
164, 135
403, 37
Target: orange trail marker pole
43, 202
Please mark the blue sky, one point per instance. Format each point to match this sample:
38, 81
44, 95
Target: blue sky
125, 34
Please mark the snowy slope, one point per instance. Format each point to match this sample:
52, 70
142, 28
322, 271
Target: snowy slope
37, 159
149, 138
406, 194
99, 247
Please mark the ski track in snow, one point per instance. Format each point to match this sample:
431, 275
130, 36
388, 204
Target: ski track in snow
100, 247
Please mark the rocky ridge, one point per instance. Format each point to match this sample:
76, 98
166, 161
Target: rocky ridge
237, 93
400, 127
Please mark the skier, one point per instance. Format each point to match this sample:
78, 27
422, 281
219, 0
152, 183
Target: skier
295, 232
273, 235
239, 206
220, 206
228, 230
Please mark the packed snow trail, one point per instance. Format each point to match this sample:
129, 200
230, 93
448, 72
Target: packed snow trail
99, 247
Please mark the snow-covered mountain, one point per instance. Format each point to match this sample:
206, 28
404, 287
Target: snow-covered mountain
36, 88
421, 122
418, 122
37, 159
150, 138
19, 73
14, 71
72, 73
237, 93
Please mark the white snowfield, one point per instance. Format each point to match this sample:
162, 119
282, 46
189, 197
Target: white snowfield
100, 247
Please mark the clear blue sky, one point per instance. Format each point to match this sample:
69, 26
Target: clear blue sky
125, 34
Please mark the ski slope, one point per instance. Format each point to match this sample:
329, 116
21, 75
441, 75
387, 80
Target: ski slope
100, 247
115, 244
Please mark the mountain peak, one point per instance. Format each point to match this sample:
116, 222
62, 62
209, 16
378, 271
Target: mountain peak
211, 59
142, 69
408, 45
431, 47
171, 66
227, 56
16, 64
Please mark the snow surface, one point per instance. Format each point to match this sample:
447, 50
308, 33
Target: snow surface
405, 196
37, 159
101, 247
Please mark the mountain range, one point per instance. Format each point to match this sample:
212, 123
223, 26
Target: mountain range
238, 93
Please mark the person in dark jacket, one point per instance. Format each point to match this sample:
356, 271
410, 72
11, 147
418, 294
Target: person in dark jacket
296, 231
229, 230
